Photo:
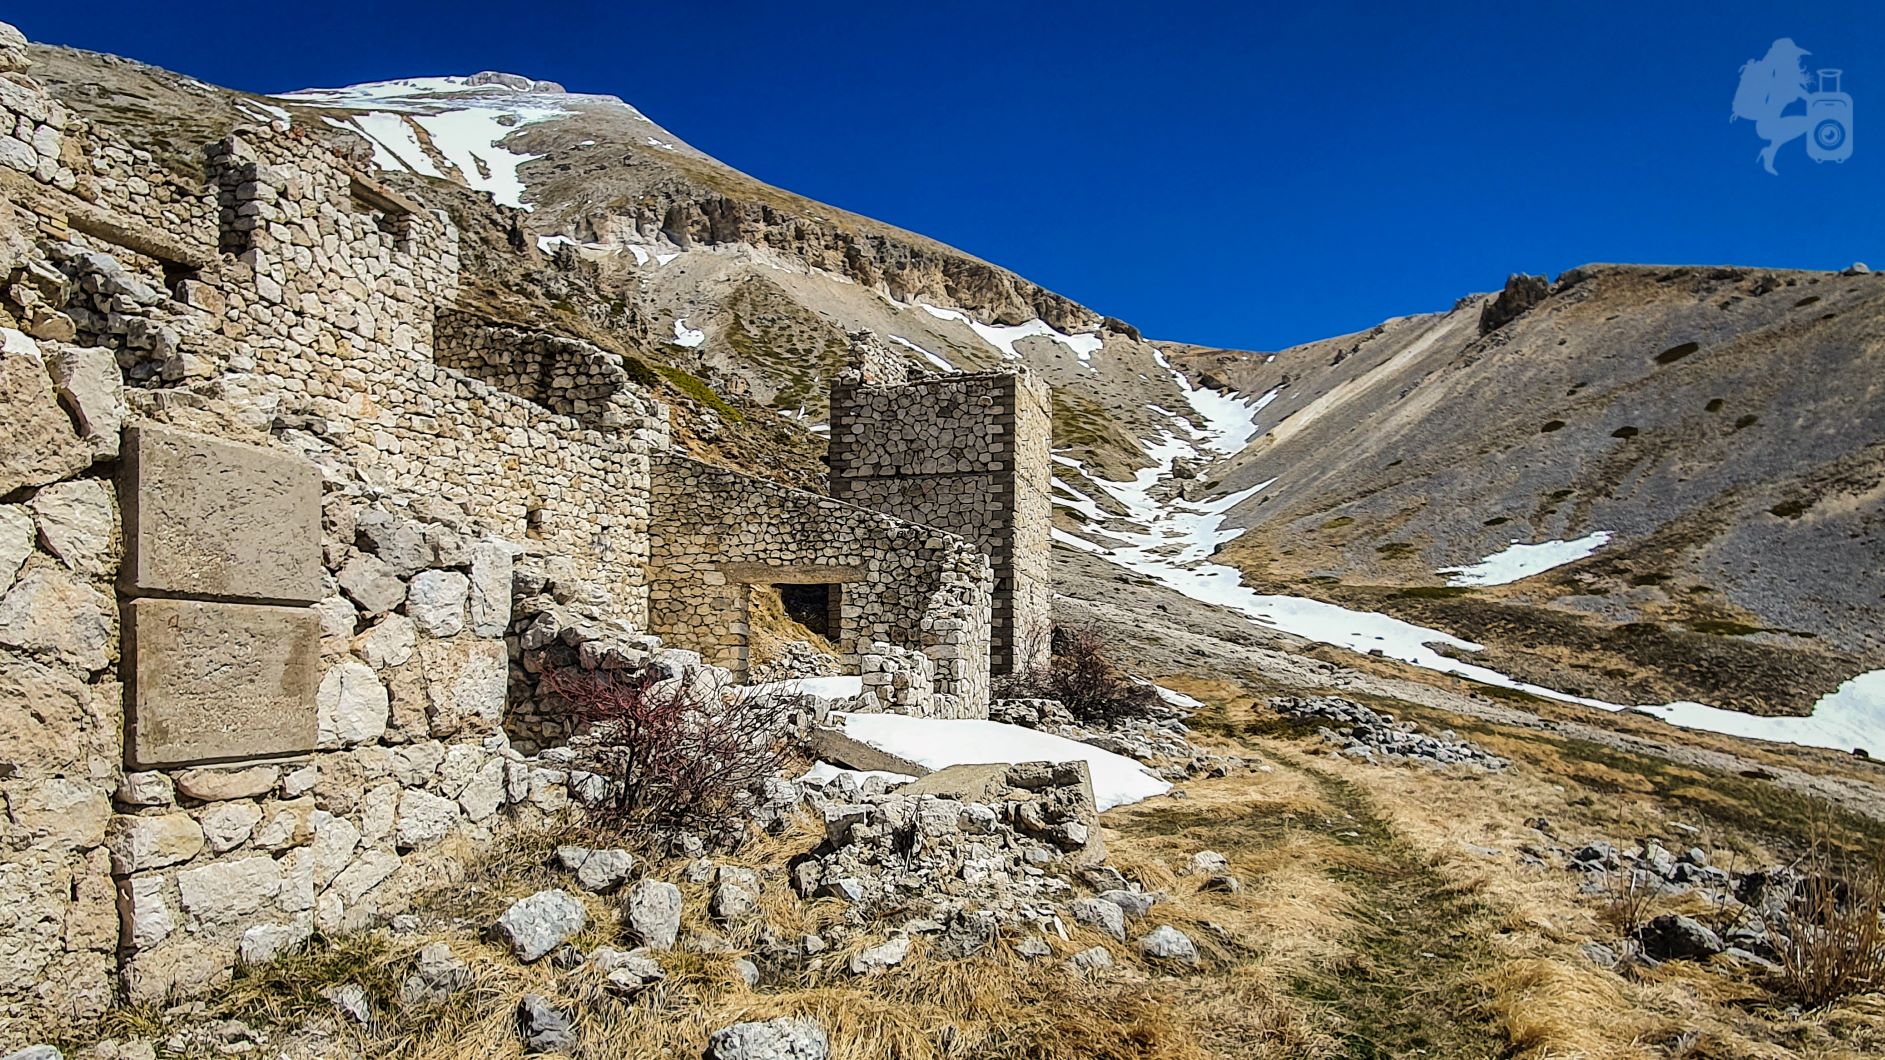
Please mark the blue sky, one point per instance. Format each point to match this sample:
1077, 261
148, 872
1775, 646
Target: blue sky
1213, 173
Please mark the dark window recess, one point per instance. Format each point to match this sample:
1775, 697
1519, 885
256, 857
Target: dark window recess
813, 606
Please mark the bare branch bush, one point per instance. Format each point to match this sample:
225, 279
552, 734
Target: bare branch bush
1628, 896
681, 754
1829, 933
1084, 678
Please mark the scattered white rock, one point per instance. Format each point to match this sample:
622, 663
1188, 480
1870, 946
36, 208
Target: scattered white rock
654, 913
534, 926
1101, 914
597, 871
785, 1038
884, 955
1166, 943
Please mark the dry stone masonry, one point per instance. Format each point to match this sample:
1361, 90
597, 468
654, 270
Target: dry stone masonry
964, 453
287, 535
718, 533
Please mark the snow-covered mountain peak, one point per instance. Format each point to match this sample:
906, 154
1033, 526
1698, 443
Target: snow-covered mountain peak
457, 127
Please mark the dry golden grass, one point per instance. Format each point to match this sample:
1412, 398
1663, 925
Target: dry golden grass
1549, 1000
1374, 919
1552, 1007
996, 1004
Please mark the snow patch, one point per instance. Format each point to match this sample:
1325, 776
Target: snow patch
469, 139
466, 134
391, 132
827, 687
1003, 337
941, 365
686, 336
940, 743
270, 110
1520, 560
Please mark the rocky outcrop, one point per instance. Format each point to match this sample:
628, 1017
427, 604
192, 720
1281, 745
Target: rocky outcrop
1521, 293
1371, 736
904, 266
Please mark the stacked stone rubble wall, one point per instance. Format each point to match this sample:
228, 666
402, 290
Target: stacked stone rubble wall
911, 586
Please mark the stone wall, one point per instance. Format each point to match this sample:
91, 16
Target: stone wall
717, 532
299, 768
253, 689
285, 541
569, 376
61, 720
351, 330
968, 454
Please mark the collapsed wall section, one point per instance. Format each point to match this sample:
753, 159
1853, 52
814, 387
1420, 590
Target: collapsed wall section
968, 454
568, 376
335, 290
717, 533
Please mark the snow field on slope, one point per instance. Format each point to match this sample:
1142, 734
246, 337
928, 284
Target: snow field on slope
468, 134
1004, 336
1519, 560
1179, 537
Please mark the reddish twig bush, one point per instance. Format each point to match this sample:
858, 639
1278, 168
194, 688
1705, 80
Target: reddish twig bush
1084, 678
679, 754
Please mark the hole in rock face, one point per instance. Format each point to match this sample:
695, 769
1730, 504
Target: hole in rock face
1676, 353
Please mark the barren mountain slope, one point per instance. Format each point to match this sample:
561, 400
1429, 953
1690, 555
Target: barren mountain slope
1722, 426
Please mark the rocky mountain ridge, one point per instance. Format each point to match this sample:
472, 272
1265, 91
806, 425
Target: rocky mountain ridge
1715, 427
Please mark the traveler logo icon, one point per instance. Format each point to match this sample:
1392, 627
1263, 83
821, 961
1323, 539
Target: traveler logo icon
1772, 85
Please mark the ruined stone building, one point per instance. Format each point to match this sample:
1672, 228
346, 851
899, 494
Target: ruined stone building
968, 453
281, 528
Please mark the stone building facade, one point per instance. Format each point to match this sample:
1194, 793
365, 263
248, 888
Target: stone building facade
283, 534
966, 453
719, 533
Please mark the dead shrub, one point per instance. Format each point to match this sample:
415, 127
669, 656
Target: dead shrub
681, 754
1829, 934
1628, 896
1083, 677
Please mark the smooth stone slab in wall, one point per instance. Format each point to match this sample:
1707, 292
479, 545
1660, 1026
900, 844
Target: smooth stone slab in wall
209, 682
205, 517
